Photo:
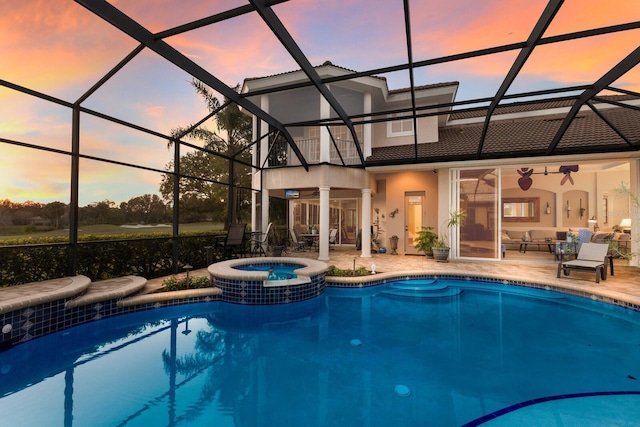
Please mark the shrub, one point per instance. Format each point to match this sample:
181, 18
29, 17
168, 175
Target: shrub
338, 272
180, 283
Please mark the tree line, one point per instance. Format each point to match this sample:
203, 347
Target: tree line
145, 209
202, 197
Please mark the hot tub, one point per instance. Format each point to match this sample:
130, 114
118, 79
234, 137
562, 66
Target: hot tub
249, 281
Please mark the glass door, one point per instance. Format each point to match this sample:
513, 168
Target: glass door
478, 196
415, 217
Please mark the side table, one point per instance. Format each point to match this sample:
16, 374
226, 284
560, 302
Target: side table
566, 249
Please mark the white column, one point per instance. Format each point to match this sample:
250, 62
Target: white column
325, 140
366, 223
366, 151
323, 243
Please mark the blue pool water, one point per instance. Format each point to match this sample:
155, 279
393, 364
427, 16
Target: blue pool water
277, 271
440, 353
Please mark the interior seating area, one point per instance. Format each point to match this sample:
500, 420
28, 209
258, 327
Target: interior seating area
558, 243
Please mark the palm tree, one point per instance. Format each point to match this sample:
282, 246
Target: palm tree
237, 128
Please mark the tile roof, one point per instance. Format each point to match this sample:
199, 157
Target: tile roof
532, 106
522, 137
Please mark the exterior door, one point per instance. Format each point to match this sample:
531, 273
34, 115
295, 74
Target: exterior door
414, 219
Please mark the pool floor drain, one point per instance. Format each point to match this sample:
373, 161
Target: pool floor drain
355, 342
402, 390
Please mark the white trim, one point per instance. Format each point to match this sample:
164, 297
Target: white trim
535, 113
403, 122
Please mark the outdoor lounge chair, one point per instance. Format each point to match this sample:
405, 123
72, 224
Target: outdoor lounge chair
591, 257
233, 244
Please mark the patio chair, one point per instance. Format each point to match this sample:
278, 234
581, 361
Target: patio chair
233, 244
259, 241
299, 245
591, 257
584, 236
333, 233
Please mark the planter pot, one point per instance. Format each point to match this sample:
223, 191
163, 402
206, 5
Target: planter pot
277, 250
441, 254
393, 244
429, 254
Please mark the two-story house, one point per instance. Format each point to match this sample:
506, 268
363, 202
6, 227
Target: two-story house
404, 159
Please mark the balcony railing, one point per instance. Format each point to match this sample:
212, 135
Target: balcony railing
310, 149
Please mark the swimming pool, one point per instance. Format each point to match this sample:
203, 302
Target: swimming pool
372, 356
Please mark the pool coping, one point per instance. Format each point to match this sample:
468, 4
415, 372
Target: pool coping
227, 270
61, 288
102, 290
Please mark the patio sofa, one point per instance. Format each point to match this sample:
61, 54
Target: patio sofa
512, 239
535, 239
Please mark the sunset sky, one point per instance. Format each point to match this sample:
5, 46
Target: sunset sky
59, 48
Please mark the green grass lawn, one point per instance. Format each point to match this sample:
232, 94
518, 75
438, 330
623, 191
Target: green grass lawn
102, 229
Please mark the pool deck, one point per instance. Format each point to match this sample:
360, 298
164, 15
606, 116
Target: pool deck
534, 267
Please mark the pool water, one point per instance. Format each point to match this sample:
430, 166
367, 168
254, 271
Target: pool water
276, 271
349, 358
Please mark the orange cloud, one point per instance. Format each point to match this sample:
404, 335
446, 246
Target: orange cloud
55, 47
450, 30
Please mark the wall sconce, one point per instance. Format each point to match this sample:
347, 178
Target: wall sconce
548, 209
581, 209
568, 209
594, 221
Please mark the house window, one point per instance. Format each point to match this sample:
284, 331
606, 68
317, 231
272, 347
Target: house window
403, 127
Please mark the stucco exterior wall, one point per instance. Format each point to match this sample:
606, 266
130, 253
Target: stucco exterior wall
391, 196
427, 132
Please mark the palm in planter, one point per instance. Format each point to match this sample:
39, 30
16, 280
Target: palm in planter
441, 246
425, 241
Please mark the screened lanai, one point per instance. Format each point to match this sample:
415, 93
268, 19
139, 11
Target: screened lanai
118, 116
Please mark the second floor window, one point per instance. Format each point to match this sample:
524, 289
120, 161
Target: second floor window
403, 127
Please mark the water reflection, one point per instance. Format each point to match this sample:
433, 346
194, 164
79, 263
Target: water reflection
335, 360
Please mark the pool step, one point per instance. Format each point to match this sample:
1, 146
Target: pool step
421, 289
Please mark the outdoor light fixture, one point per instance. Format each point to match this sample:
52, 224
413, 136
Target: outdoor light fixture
568, 209
548, 210
594, 221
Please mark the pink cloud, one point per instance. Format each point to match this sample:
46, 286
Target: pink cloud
53, 46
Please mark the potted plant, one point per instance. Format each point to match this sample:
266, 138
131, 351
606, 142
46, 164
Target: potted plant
425, 240
441, 246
